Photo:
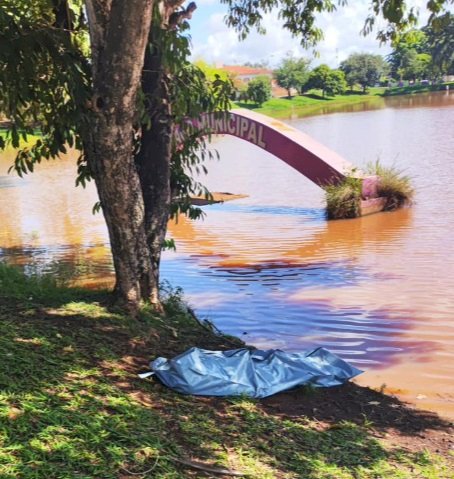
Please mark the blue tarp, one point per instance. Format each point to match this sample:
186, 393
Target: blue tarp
253, 373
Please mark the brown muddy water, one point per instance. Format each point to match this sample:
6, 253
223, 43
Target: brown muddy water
269, 268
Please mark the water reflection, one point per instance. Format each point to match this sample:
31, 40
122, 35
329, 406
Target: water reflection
84, 265
309, 236
424, 100
421, 100
278, 314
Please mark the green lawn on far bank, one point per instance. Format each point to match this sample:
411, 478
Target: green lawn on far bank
413, 89
71, 405
31, 139
313, 103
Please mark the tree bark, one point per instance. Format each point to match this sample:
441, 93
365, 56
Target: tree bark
119, 35
154, 157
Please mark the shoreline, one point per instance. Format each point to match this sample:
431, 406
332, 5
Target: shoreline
70, 398
70, 395
313, 104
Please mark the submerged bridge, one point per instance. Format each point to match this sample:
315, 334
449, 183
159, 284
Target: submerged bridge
306, 155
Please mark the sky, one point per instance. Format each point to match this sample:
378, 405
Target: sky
215, 43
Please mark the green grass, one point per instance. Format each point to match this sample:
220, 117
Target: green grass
313, 103
343, 199
71, 405
413, 89
394, 185
31, 139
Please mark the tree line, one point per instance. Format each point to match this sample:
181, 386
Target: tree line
418, 54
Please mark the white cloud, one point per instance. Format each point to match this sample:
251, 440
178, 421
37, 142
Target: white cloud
216, 43
221, 44
202, 3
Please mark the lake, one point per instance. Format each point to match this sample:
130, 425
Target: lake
269, 268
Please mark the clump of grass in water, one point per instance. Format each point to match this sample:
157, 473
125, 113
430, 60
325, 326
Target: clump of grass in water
394, 185
343, 199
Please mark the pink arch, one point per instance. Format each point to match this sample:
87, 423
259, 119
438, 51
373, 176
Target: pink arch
310, 158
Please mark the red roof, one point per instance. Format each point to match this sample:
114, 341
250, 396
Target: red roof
244, 70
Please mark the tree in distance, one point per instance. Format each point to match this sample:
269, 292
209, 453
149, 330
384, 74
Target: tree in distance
414, 66
259, 90
364, 69
331, 82
424, 53
292, 74
410, 58
440, 43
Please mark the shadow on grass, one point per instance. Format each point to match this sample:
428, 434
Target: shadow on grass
353, 93
356, 93
71, 405
247, 105
315, 96
409, 89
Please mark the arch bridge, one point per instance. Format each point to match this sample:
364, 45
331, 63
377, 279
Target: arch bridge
306, 155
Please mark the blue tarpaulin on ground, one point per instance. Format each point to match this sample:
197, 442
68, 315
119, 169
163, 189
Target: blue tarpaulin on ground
253, 373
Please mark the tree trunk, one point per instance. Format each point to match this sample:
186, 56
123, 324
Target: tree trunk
118, 38
154, 157
118, 185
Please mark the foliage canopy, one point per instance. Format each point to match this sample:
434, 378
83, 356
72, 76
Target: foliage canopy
331, 82
259, 90
363, 69
292, 74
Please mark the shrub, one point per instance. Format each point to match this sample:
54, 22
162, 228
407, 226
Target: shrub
343, 199
394, 185
259, 90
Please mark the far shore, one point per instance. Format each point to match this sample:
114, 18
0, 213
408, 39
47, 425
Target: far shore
313, 103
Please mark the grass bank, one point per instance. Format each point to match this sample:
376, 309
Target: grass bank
71, 405
313, 103
413, 89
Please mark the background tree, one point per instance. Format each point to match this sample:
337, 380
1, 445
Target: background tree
211, 72
404, 60
424, 53
292, 74
259, 90
364, 69
331, 82
414, 65
258, 64
440, 43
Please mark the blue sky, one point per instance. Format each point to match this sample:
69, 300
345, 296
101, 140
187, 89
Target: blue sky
216, 43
